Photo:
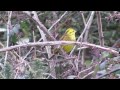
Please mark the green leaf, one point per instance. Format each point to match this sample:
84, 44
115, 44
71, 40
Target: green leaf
8, 71
25, 26
105, 54
14, 39
87, 63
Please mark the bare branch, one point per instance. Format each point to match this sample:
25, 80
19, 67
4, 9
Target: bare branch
99, 22
117, 69
41, 26
85, 29
84, 39
84, 21
90, 68
42, 29
87, 75
8, 30
57, 20
110, 50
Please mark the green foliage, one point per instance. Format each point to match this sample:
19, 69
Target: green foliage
25, 26
8, 71
37, 69
14, 39
105, 54
87, 63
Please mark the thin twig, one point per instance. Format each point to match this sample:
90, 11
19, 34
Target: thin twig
99, 22
58, 20
49, 75
110, 50
85, 29
34, 40
90, 68
85, 70
65, 20
31, 50
84, 39
21, 62
84, 21
3, 77
1, 45
87, 75
28, 53
117, 69
8, 30
48, 48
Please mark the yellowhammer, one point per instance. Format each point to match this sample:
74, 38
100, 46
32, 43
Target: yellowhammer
69, 35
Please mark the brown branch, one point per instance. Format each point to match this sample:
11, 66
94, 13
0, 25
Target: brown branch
37, 21
85, 29
84, 39
99, 22
60, 43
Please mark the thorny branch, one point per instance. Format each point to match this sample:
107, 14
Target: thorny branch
110, 50
48, 48
42, 27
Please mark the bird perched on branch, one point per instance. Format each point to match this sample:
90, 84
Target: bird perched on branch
69, 35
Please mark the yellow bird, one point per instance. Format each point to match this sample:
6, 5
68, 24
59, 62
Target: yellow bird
69, 35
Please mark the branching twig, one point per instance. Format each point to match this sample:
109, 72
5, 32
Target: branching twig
90, 68
41, 26
57, 21
43, 30
49, 75
87, 75
84, 39
85, 29
31, 50
108, 73
85, 70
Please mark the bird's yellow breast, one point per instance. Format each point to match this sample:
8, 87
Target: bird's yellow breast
69, 36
